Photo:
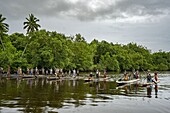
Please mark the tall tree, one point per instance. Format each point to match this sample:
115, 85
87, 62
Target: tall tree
31, 26
3, 29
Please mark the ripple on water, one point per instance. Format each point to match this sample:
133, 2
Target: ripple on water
85, 99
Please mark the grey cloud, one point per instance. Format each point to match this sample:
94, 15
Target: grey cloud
18, 8
64, 15
151, 7
82, 10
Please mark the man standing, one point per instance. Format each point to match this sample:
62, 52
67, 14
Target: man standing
97, 73
36, 71
1, 70
42, 70
149, 78
8, 73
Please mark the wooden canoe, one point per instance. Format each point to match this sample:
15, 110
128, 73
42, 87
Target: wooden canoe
28, 76
122, 82
150, 83
53, 78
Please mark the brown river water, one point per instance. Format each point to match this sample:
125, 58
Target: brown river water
77, 96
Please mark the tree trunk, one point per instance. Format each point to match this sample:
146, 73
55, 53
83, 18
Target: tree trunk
9, 71
2, 43
24, 50
25, 46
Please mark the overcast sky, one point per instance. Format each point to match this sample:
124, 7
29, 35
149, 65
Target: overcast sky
145, 22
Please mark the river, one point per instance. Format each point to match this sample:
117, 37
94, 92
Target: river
76, 96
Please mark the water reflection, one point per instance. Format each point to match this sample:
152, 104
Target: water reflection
138, 90
156, 91
149, 90
41, 95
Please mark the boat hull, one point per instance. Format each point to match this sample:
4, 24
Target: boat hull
126, 82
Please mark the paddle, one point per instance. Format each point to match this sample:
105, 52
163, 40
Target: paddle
144, 74
120, 78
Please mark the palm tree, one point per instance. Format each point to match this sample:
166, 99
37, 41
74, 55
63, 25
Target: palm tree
3, 28
31, 26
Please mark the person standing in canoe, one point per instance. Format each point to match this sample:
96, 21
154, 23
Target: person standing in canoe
51, 71
105, 74
77, 72
36, 71
126, 77
28, 71
137, 74
91, 76
31, 71
42, 71
149, 78
20, 71
97, 73
156, 76
1, 70
46, 71
74, 73
9, 70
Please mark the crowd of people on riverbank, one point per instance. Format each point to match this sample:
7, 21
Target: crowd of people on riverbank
58, 71
97, 75
42, 71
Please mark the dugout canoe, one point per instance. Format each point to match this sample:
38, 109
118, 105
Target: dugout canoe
122, 82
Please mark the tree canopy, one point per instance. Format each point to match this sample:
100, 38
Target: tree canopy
3, 29
51, 49
31, 24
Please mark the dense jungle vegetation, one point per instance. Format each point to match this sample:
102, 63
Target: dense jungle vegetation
42, 48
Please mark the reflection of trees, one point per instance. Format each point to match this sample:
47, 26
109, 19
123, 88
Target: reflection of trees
32, 95
39, 94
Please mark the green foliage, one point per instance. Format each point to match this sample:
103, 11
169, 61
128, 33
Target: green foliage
82, 54
51, 49
31, 24
161, 60
3, 26
3, 29
18, 40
